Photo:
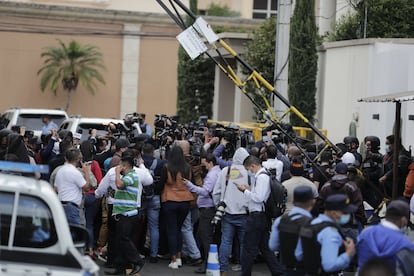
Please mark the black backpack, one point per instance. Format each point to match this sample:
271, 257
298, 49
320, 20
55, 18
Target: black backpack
148, 190
311, 248
275, 205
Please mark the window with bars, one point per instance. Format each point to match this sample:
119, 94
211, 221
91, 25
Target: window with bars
264, 8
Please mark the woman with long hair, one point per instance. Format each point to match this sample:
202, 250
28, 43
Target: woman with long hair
176, 201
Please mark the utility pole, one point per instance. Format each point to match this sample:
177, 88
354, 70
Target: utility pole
284, 13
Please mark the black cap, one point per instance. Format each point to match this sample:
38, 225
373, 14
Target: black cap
398, 209
341, 168
340, 202
302, 193
123, 143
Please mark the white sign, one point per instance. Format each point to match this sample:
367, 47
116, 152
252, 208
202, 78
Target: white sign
191, 42
203, 27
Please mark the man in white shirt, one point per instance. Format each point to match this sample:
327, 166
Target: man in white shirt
272, 163
258, 224
107, 185
69, 184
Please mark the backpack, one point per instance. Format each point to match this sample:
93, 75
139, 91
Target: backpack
275, 205
311, 248
148, 190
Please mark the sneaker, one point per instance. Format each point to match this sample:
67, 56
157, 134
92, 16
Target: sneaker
153, 260
173, 265
179, 262
195, 262
236, 267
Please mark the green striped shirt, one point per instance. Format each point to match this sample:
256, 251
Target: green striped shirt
125, 200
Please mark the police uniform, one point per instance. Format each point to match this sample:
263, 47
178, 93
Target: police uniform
328, 241
285, 232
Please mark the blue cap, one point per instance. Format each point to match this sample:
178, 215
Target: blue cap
341, 168
340, 202
302, 193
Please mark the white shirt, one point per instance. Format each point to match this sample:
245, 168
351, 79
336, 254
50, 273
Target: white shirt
259, 193
144, 178
274, 164
69, 182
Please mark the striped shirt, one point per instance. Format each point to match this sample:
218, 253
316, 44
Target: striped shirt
125, 200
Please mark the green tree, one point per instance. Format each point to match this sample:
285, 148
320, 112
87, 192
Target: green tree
385, 19
303, 61
69, 64
196, 77
260, 55
195, 83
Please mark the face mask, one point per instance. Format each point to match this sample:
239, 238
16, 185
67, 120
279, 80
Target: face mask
404, 229
387, 148
344, 219
249, 173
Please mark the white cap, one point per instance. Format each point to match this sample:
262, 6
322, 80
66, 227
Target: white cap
348, 158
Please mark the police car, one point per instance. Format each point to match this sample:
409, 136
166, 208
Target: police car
35, 238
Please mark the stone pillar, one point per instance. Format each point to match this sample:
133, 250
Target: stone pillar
130, 69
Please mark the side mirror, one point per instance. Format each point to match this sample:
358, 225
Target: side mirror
80, 235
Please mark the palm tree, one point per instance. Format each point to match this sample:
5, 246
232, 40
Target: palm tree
68, 64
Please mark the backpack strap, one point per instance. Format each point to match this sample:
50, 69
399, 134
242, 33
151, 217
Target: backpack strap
153, 165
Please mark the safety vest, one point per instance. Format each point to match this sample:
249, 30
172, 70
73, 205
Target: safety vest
288, 235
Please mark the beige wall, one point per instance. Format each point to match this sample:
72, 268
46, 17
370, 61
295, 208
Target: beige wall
158, 74
128, 5
20, 60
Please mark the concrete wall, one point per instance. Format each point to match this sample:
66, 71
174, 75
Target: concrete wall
20, 60
351, 70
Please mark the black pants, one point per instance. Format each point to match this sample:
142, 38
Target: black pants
255, 238
124, 247
111, 235
205, 230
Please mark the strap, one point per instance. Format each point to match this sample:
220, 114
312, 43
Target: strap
153, 165
227, 182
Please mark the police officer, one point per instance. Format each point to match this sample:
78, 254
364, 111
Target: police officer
323, 235
285, 230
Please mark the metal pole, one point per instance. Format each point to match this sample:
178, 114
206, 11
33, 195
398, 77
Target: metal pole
397, 129
365, 18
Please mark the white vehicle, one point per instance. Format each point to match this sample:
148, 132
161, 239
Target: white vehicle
83, 125
35, 238
30, 118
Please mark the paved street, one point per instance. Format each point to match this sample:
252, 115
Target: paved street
161, 269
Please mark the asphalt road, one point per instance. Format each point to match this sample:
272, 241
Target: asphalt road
161, 269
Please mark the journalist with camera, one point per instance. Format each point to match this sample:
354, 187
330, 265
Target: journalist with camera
226, 194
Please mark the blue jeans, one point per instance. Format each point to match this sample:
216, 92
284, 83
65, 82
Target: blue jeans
72, 214
90, 213
152, 208
190, 247
230, 225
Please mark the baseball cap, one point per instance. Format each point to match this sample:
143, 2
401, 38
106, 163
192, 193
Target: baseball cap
341, 168
340, 202
302, 193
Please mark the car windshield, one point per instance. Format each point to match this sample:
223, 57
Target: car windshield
34, 121
85, 129
34, 226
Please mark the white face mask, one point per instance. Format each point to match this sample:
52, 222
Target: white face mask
344, 219
249, 173
387, 148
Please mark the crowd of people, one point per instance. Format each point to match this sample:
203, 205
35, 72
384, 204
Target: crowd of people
140, 200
